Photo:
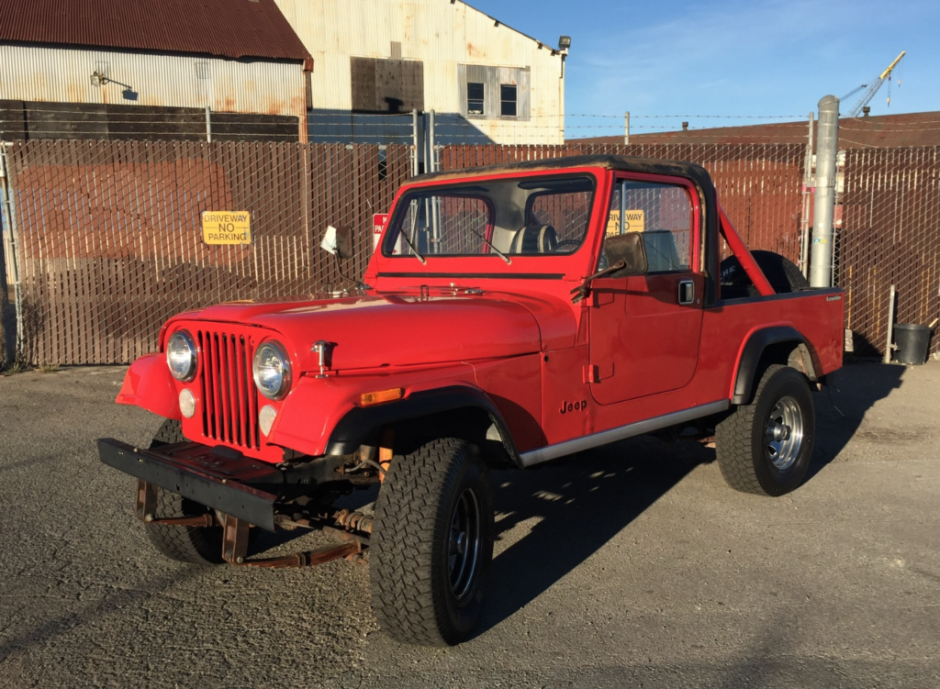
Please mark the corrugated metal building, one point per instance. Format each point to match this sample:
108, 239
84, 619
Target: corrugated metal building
377, 60
234, 56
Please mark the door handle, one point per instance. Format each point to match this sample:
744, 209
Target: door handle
686, 292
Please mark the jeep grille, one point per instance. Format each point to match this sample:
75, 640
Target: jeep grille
230, 408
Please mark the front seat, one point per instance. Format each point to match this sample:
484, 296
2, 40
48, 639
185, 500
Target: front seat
534, 239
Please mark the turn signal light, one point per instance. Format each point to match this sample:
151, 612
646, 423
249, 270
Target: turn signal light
370, 398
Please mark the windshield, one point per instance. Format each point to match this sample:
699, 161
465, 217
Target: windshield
531, 216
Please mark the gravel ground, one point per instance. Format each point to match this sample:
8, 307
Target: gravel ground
630, 566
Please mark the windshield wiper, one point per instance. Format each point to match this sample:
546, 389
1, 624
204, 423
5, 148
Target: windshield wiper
489, 244
413, 249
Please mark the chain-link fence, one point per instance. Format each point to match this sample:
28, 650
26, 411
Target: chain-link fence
759, 185
109, 243
890, 236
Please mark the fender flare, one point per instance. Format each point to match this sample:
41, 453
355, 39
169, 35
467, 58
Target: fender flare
361, 422
754, 349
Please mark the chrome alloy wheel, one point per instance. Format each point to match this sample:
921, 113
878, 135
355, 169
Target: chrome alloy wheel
463, 551
785, 433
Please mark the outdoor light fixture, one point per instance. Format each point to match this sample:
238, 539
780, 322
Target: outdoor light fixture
564, 42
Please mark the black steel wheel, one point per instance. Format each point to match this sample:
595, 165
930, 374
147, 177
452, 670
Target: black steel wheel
194, 544
432, 543
765, 447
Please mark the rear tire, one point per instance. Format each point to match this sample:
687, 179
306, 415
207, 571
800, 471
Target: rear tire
200, 545
432, 543
765, 447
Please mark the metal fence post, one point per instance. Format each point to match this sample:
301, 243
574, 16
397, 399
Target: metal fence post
807, 201
626, 128
416, 142
827, 145
9, 269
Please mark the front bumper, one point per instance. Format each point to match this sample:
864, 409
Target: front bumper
216, 477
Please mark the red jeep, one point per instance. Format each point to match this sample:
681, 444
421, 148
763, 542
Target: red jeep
509, 316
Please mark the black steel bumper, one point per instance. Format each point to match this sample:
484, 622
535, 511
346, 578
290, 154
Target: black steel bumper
231, 483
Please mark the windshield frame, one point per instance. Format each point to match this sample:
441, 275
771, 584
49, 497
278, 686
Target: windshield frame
411, 191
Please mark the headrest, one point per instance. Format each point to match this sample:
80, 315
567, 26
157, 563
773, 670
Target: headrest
534, 239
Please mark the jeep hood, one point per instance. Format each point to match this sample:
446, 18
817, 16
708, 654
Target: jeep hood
390, 330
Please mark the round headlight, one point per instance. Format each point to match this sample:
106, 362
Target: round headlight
271, 370
181, 356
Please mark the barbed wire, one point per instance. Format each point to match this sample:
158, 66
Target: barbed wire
730, 117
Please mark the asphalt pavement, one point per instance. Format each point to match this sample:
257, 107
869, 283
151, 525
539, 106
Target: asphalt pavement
629, 566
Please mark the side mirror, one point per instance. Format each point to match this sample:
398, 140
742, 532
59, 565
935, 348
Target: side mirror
344, 243
630, 249
338, 241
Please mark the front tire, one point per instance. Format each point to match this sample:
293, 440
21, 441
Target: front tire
765, 447
201, 545
432, 543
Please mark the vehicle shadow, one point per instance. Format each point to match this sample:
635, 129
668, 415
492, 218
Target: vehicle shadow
581, 502
841, 407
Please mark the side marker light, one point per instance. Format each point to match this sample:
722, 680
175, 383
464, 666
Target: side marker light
370, 398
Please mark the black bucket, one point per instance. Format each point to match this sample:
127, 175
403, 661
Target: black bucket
911, 340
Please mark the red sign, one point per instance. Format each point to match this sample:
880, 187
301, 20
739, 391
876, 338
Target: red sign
379, 221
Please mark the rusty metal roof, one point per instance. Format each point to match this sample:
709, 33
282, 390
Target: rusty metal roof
880, 131
227, 28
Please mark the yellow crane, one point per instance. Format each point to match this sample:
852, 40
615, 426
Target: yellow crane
873, 88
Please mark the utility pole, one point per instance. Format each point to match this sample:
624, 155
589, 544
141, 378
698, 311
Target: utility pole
626, 128
820, 274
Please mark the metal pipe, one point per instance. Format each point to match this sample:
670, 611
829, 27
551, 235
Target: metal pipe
807, 200
827, 145
626, 128
208, 125
415, 143
889, 345
431, 166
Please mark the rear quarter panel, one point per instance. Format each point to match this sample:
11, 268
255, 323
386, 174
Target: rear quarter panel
818, 316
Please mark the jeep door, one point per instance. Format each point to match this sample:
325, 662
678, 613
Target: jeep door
645, 330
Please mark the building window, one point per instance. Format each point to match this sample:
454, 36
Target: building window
493, 93
475, 92
507, 100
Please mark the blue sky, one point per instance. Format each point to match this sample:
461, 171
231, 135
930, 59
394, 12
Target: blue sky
730, 57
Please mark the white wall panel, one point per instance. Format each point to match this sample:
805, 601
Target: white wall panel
441, 34
39, 73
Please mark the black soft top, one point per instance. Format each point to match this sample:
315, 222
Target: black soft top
674, 168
